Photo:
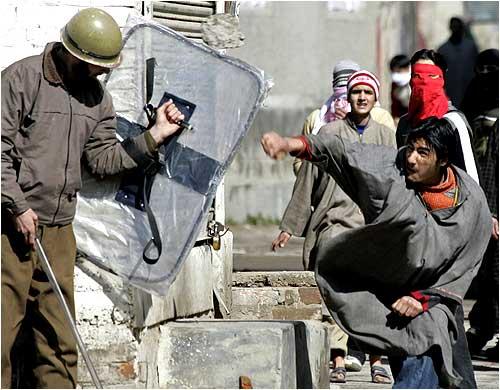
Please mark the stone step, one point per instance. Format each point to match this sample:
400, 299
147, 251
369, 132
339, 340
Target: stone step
290, 295
215, 353
274, 279
276, 303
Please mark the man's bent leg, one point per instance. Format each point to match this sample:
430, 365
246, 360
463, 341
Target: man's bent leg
413, 372
337, 338
462, 362
17, 270
57, 354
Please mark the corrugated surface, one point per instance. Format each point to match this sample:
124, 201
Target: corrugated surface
185, 17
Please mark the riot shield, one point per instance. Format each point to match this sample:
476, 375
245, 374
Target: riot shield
227, 93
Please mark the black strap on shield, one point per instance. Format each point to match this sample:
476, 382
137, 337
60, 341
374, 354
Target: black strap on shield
150, 175
156, 239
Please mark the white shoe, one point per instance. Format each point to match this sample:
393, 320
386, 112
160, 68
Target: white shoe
352, 363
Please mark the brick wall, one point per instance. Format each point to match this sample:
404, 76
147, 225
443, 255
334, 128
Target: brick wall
276, 296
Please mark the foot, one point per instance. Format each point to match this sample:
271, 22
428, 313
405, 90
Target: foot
492, 353
380, 375
475, 341
352, 363
338, 375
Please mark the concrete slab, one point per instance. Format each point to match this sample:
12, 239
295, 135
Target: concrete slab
214, 354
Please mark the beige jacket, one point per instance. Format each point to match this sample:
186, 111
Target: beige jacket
377, 113
47, 127
319, 209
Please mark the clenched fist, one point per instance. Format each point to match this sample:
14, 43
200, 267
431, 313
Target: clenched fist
407, 306
274, 145
277, 146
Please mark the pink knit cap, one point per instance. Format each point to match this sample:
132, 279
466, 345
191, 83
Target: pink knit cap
363, 77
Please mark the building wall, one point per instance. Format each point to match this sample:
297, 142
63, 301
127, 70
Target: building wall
28, 25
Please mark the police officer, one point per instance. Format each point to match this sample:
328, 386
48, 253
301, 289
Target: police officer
56, 115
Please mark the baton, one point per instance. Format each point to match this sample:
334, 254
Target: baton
60, 297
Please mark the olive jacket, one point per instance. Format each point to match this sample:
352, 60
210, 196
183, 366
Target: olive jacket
48, 128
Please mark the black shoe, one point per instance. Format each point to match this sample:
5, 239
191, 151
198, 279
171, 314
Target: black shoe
475, 341
492, 353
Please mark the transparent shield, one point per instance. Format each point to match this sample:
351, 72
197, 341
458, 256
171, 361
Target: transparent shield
227, 93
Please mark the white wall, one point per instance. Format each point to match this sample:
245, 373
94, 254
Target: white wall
28, 25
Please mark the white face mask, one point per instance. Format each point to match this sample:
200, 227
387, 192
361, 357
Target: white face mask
401, 79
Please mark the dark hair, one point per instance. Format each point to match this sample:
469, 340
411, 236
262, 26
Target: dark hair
399, 61
439, 135
457, 20
487, 57
429, 54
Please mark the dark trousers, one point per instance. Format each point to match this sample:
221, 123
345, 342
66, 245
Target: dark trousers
25, 287
484, 314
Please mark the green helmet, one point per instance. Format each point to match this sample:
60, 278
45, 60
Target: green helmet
93, 36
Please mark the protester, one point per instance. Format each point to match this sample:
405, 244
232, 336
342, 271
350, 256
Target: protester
480, 105
460, 53
334, 212
400, 87
427, 99
397, 283
56, 113
337, 105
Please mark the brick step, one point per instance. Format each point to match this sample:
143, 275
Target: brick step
290, 295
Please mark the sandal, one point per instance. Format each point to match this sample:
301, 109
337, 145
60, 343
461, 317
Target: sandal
380, 375
338, 375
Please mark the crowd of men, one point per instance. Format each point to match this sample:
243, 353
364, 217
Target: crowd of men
388, 229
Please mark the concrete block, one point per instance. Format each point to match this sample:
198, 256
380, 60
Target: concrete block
182, 299
313, 355
222, 273
214, 354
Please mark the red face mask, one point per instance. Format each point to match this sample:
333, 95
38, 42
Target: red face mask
427, 93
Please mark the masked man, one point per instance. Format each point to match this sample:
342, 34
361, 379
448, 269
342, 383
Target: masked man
400, 86
428, 98
55, 115
480, 106
397, 283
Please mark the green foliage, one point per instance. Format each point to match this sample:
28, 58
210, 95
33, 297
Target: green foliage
261, 220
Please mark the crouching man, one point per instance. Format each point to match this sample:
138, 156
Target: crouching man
396, 285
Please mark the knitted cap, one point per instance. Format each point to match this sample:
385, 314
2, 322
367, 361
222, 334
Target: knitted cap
363, 77
343, 69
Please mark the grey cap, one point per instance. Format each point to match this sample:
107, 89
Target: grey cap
343, 69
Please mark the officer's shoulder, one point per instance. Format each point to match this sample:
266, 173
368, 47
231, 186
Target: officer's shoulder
25, 66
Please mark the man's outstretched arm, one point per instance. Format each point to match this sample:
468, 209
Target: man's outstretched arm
277, 146
325, 151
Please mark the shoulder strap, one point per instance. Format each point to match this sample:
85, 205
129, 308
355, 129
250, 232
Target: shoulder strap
465, 143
